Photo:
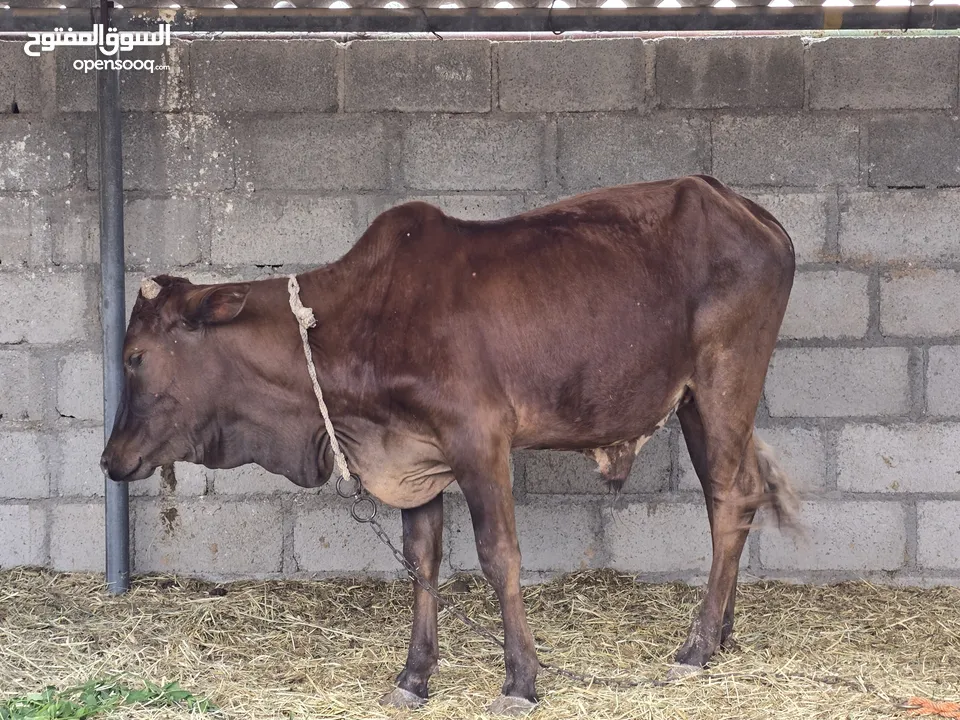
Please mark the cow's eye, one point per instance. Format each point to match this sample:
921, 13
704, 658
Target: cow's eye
134, 361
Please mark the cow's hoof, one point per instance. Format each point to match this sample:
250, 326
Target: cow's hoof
403, 699
678, 671
510, 706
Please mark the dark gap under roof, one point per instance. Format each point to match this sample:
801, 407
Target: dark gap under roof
481, 16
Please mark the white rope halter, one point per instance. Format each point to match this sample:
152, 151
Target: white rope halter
306, 319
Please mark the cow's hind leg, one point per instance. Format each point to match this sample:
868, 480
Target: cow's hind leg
693, 432
734, 493
422, 548
736, 341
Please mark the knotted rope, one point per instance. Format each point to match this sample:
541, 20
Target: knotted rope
922, 706
306, 320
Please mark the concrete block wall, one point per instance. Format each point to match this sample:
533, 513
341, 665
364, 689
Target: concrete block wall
253, 158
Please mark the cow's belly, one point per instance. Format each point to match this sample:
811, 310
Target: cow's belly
621, 420
397, 469
406, 490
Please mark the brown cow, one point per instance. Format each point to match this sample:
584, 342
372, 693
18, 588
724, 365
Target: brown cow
442, 344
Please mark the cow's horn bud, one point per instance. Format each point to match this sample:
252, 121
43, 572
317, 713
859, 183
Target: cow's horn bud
149, 288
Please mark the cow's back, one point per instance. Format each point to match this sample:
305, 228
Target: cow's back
580, 313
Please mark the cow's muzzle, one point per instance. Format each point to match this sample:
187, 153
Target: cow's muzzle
116, 469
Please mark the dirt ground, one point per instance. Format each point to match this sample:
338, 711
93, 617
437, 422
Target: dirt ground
329, 649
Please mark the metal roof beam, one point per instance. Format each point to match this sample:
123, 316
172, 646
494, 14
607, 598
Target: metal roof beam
486, 20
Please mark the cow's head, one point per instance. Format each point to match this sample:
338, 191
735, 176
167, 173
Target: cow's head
175, 359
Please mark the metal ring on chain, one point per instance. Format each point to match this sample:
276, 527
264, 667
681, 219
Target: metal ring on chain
358, 515
357, 489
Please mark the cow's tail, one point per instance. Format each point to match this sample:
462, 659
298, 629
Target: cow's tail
778, 492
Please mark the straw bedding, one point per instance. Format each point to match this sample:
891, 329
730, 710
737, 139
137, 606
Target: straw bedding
329, 649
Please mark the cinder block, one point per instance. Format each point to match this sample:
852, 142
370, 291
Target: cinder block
279, 230
80, 386
658, 537
19, 79
827, 304
858, 536
938, 534
163, 231
838, 382
313, 152
883, 72
23, 529
15, 232
601, 150
35, 154
22, 384
801, 150
479, 154
559, 473
173, 152
554, 535
43, 307
900, 226
800, 452
899, 459
69, 224
327, 539
158, 232
730, 72
479, 207
160, 90
463, 206
914, 150
80, 474
189, 480
252, 480
804, 215
417, 76
23, 465
920, 303
77, 538
208, 538
571, 75
943, 381
245, 76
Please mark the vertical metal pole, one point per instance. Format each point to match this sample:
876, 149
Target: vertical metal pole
112, 309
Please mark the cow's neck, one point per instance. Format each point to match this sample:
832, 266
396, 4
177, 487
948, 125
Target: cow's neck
281, 423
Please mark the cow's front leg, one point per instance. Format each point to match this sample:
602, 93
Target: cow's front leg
484, 477
422, 548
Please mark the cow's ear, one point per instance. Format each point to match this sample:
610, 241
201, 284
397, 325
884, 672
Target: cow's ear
215, 305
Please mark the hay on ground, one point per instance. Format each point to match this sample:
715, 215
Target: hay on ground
329, 649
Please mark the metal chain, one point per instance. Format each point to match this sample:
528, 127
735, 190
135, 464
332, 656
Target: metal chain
361, 498
365, 510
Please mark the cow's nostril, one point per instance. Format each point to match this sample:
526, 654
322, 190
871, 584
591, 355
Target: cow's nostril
104, 463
